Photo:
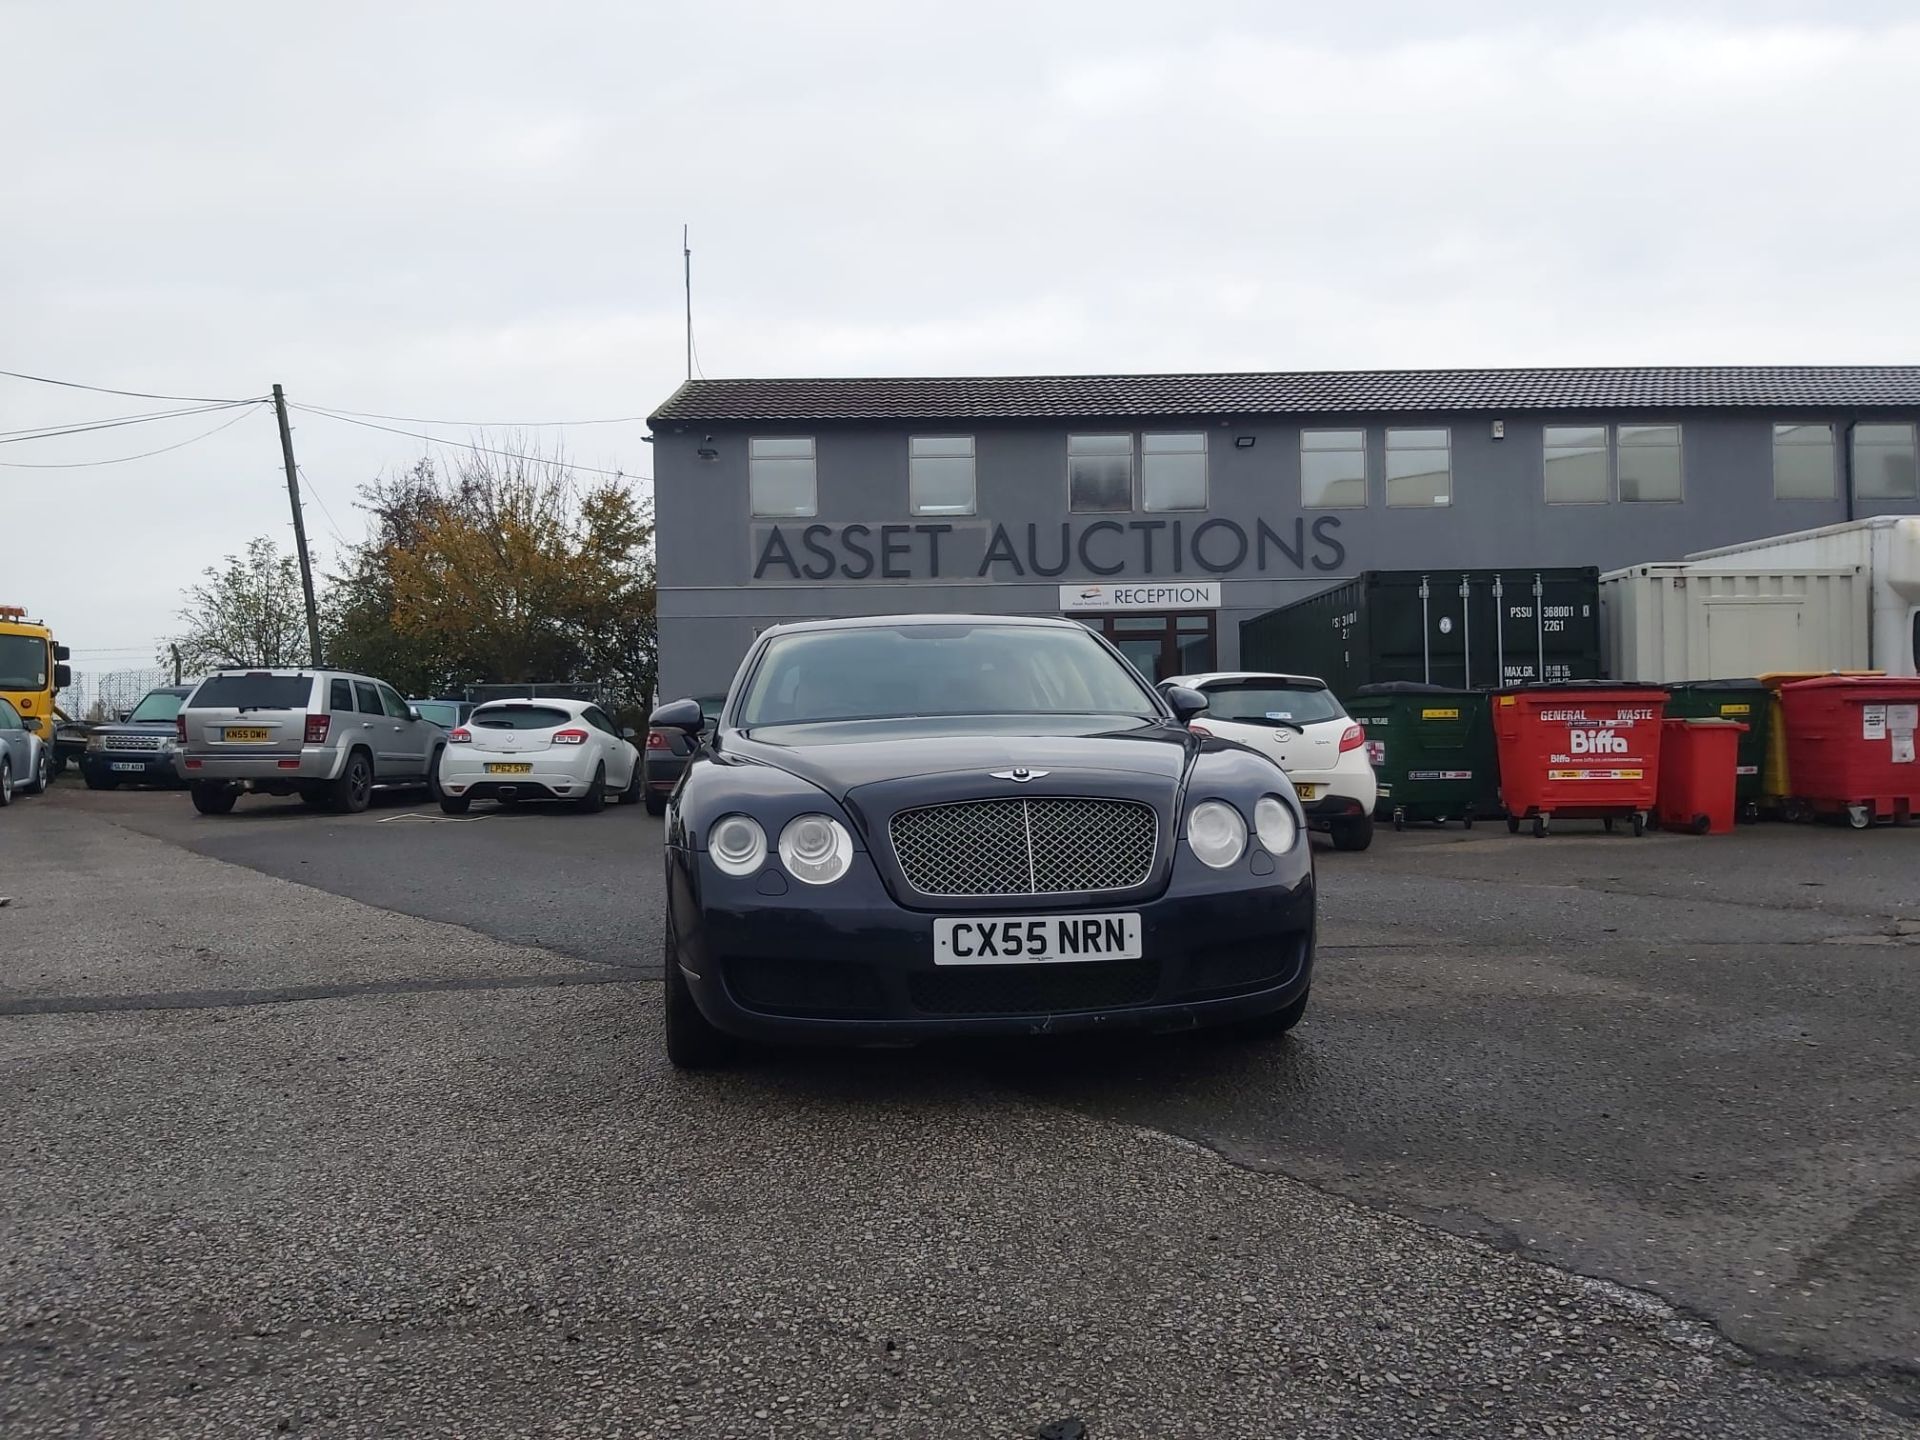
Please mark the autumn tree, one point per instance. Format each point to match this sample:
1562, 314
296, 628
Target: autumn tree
509, 569
248, 610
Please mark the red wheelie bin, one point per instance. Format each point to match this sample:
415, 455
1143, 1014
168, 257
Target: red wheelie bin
1584, 750
1699, 774
1850, 747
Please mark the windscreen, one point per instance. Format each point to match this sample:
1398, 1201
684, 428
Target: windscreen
23, 662
892, 671
519, 717
254, 692
1264, 702
160, 706
439, 712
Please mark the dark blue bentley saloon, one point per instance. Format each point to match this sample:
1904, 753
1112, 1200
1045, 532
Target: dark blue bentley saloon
931, 825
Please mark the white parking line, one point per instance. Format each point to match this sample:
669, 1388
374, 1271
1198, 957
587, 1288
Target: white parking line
436, 819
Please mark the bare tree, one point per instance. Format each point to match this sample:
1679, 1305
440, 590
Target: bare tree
248, 611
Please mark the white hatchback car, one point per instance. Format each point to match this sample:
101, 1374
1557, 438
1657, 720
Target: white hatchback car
1297, 720
514, 750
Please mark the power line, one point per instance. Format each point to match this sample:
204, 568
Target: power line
135, 394
123, 459
314, 490
84, 427
477, 449
340, 414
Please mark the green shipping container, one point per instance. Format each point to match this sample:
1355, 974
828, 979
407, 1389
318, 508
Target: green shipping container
1432, 749
1748, 701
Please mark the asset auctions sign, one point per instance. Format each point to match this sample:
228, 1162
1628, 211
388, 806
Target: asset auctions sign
1160, 549
1152, 595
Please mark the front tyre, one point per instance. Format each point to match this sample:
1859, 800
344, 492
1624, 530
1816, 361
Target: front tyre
6, 780
43, 778
636, 790
693, 1043
1354, 833
656, 803
455, 804
214, 799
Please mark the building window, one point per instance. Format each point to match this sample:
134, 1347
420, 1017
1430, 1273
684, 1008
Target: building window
1885, 465
1333, 469
1576, 464
1803, 463
780, 476
940, 474
1100, 472
1649, 462
1419, 471
1173, 471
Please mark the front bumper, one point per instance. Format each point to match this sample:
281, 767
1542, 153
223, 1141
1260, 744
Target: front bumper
846, 964
154, 767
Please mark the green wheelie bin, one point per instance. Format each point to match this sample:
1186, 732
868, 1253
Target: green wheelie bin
1432, 750
1748, 701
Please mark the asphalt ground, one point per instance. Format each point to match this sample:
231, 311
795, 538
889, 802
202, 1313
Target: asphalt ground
292, 1156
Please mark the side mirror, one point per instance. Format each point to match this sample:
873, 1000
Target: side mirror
1186, 703
62, 676
682, 715
412, 714
125, 715
627, 732
61, 652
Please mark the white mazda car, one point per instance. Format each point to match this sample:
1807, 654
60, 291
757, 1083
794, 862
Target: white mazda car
1297, 720
514, 750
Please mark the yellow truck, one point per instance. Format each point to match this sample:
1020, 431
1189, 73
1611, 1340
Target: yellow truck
32, 669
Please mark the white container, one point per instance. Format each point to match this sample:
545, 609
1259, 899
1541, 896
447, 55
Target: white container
1887, 550
1714, 621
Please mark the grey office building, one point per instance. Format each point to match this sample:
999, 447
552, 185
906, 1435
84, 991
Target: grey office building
1166, 509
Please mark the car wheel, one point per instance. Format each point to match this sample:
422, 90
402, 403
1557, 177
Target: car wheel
595, 800
434, 792
1513, 824
6, 780
43, 781
656, 803
99, 782
455, 804
214, 799
353, 791
636, 790
692, 1041
1355, 833
1267, 1027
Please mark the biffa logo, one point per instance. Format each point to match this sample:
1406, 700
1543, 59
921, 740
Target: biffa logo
1597, 742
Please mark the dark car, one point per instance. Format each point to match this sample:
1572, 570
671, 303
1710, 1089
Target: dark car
142, 749
914, 826
663, 759
448, 714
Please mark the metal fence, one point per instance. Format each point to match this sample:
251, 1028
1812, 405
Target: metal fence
104, 694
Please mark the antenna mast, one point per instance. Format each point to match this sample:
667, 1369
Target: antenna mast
686, 260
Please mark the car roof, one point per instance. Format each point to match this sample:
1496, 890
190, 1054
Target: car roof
869, 622
1214, 677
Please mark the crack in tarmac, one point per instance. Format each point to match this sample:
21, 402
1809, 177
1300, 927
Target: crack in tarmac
297, 994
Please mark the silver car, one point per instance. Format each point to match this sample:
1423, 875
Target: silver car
26, 761
329, 737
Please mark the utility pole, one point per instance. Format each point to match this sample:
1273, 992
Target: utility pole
299, 525
174, 650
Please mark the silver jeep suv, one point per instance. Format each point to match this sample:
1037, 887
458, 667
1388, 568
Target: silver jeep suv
330, 738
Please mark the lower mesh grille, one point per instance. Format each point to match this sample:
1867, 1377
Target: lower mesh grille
824, 989
1034, 989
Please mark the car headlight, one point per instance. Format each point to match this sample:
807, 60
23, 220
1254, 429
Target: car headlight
738, 844
816, 849
1216, 833
1273, 822
96, 742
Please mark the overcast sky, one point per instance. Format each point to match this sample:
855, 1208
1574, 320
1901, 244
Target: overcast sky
472, 212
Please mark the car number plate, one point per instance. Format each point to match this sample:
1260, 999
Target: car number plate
247, 735
509, 769
1035, 939
1307, 792
128, 765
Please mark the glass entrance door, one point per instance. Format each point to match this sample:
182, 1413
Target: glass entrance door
1162, 645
